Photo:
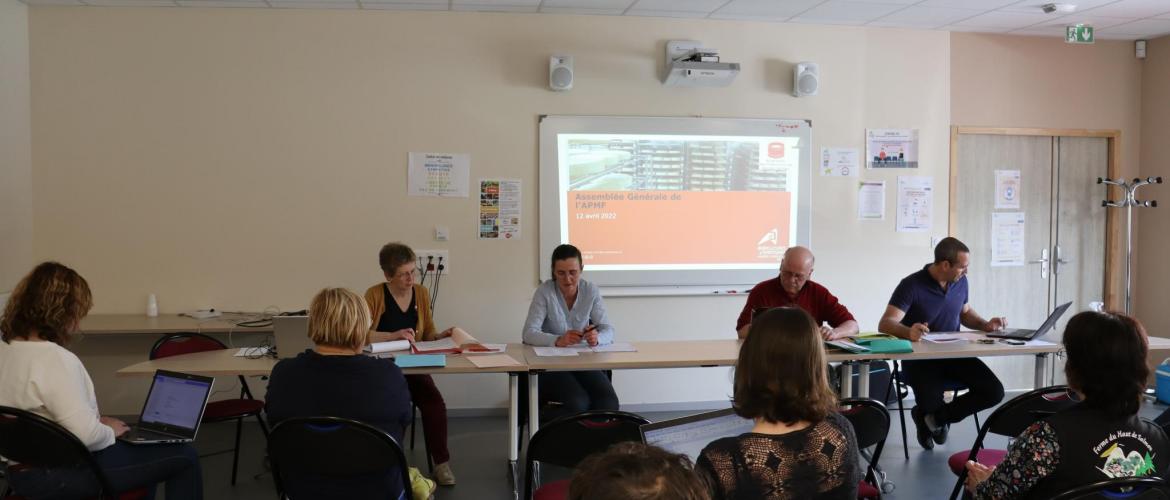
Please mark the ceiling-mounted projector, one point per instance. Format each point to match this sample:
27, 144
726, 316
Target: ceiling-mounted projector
689, 64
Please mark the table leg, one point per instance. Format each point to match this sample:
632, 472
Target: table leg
846, 372
863, 380
513, 422
1040, 377
533, 403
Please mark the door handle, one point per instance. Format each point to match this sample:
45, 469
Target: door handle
1043, 261
1059, 261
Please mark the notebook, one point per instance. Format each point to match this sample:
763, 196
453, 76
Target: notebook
173, 409
420, 360
689, 435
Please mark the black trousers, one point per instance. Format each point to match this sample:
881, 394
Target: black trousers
931, 378
577, 392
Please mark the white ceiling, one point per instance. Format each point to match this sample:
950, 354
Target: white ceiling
1113, 19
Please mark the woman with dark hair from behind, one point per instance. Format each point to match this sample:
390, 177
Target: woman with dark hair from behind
801, 447
635, 471
1099, 438
38, 374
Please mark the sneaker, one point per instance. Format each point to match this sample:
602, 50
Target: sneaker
443, 474
925, 436
940, 433
421, 488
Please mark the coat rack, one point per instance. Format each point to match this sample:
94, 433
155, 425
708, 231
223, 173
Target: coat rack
1130, 201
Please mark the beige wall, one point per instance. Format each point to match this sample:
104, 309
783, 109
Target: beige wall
15, 146
1154, 238
245, 158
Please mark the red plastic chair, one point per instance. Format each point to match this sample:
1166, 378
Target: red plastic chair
217, 411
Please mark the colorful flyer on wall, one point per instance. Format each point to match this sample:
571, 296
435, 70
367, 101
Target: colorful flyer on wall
839, 162
915, 204
1007, 189
891, 148
438, 174
499, 209
1007, 239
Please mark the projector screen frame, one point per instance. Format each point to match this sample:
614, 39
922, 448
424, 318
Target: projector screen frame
665, 282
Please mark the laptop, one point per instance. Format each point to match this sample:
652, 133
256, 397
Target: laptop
1025, 334
174, 407
291, 335
689, 435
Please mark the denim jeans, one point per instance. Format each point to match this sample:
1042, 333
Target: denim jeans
127, 467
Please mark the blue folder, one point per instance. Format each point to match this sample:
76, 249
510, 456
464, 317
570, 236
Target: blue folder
420, 360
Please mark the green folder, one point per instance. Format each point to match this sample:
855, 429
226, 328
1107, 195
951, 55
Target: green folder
886, 346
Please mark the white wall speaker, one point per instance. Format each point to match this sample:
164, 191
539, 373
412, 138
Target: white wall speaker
806, 79
560, 73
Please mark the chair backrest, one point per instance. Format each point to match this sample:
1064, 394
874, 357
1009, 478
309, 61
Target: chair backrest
566, 441
871, 423
1127, 488
184, 343
335, 448
1014, 416
35, 441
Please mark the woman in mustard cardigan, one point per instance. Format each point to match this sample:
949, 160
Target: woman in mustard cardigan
401, 310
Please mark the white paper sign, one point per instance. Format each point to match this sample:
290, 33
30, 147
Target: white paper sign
1007, 189
915, 204
871, 201
839, 162
1007, 239
439, 174
891, 148
499, 209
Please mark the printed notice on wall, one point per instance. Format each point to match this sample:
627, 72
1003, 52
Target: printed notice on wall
839, 162
1007, 239
439, 174
499, 209
891, 148
871, 201
1007, 189
915, 204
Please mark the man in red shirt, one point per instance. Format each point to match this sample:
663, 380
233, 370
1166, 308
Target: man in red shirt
794, 288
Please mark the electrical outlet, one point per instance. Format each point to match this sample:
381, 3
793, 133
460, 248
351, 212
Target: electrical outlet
435, 256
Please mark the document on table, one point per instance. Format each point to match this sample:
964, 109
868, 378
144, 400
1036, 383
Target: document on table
487, 349
941, 338
251, 351
445, 344
554, 351
493, 361
393, 345
615, 347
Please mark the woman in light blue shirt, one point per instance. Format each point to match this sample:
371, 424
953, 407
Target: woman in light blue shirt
567, 311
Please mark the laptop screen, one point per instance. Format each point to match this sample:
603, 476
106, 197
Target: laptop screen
176, 401
689, 435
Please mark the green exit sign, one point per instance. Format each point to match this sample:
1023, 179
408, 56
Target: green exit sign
1078, 34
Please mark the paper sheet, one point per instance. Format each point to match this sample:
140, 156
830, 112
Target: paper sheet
891, 148
941, 338
554, 351
251, 352
615, 347
1007, 190
1007, 239
915, 204
493, 361
871, 201
436, 345
839, 162
393, 345
438, 174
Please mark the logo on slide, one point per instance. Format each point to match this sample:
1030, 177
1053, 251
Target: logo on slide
776, 150
772, 237
768, 248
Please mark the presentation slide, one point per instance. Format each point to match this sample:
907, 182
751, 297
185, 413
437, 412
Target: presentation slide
678, 202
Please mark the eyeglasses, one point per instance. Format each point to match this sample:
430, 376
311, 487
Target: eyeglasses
788, 275
413, 273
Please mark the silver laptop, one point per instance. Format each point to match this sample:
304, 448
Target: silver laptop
689, 435
174, 406
291, 335
1025, 334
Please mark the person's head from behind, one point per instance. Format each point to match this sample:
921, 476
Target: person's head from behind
398, 264
567, 267
780, 374
1107, 361
48, 303
952, 258
339, 318
796, 268
635, 471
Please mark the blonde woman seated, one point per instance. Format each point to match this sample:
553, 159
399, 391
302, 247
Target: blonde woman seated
800, 447
334, 379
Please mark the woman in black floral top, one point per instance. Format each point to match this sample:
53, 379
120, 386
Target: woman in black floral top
1098, 439
800, 447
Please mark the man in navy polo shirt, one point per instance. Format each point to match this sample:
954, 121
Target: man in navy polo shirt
935, 298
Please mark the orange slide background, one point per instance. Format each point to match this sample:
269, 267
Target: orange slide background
685, 228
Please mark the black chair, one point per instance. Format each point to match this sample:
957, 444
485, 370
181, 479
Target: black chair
522, 399
871, 424
222, 410
898, 383
1010, 419
566, 441
334, 448
1128, 488
34, 441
